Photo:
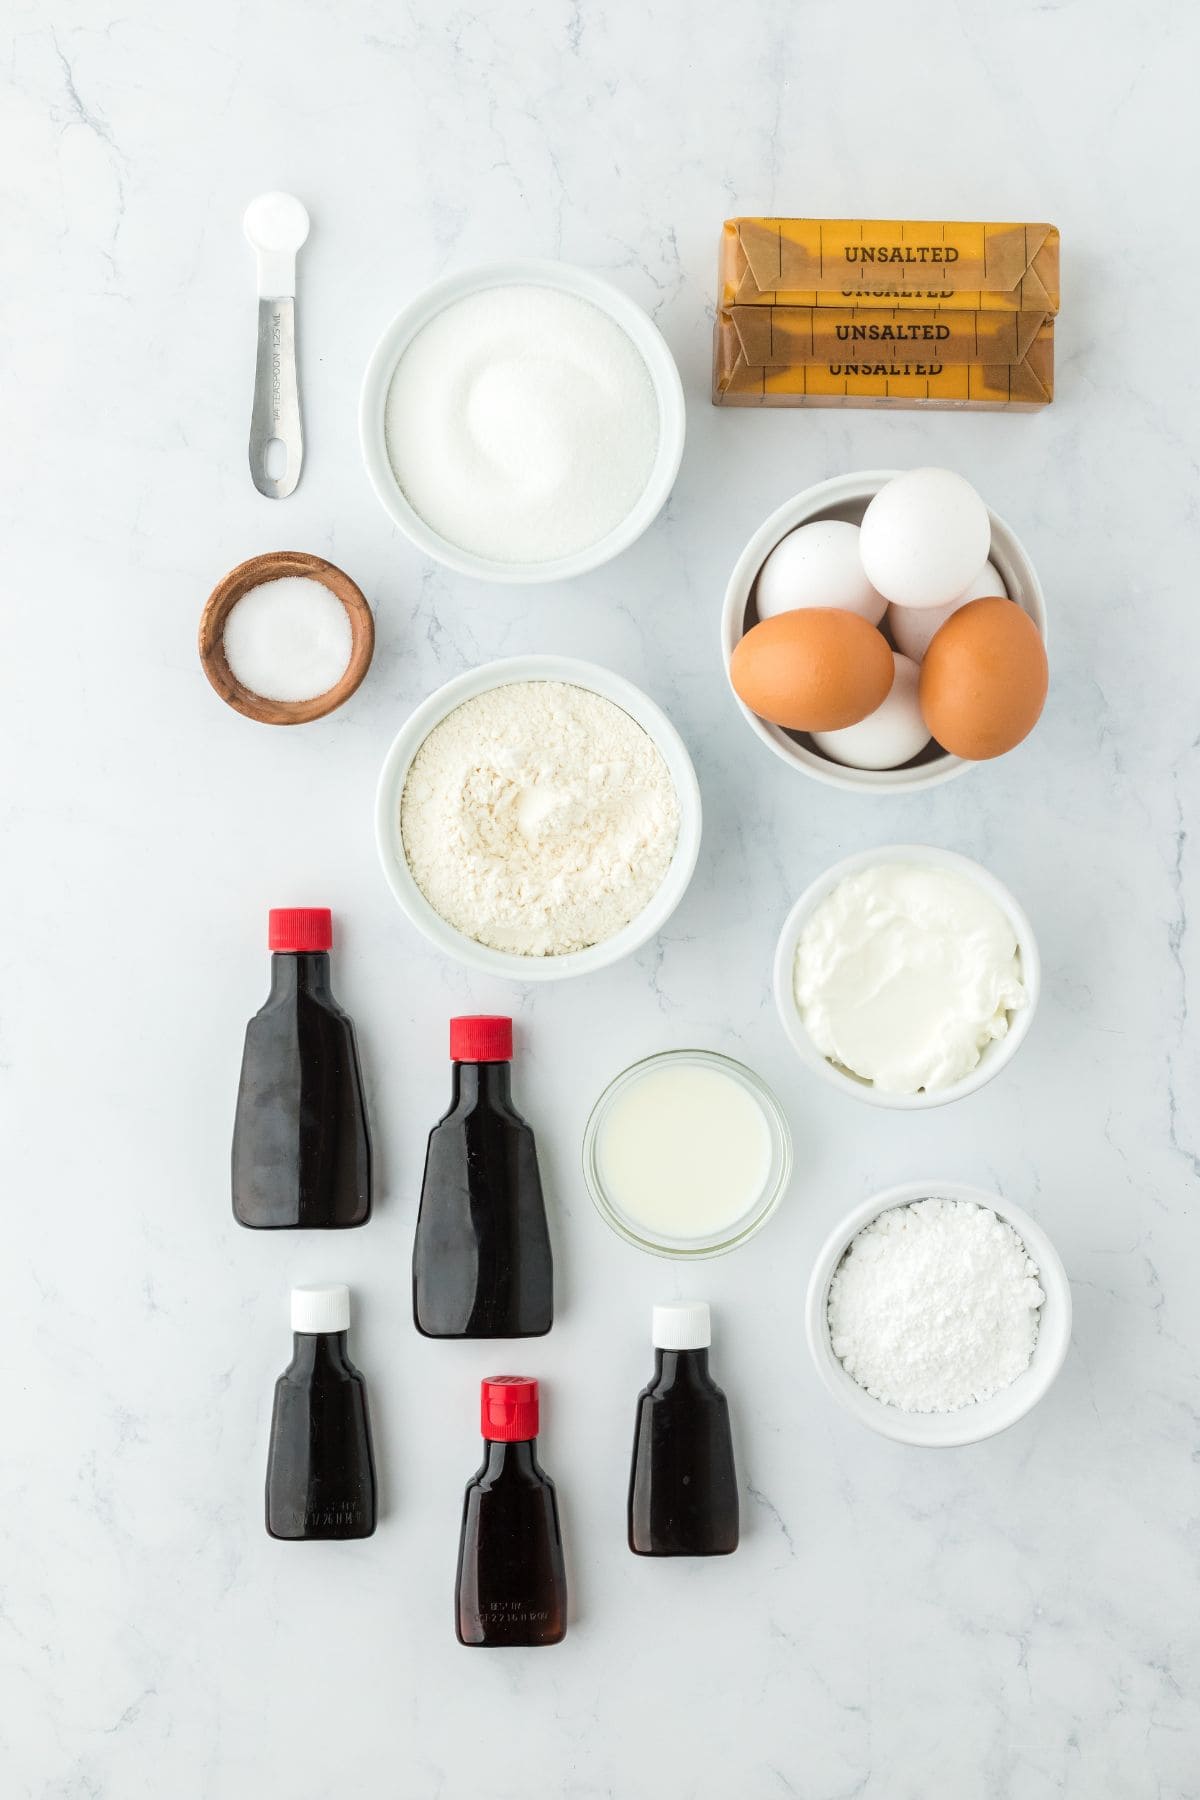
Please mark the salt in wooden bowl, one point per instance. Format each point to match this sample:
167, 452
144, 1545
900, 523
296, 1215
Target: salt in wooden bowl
271, 567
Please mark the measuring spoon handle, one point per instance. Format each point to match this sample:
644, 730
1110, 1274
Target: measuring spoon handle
276, 412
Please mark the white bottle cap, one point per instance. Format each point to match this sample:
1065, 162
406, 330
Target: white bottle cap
318, 1309
682, 1327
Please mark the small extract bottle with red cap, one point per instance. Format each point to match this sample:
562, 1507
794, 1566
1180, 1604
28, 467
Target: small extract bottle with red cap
512, 1583
301, 1144
683, 1495
482, 1264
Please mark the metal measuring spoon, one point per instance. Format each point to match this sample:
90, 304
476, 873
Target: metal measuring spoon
276, 225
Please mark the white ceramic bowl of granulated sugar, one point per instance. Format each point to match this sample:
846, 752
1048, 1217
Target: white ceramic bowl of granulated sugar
980, 1418
593, 680
501, 408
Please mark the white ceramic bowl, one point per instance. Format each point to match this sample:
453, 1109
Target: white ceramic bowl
569, 280
499, 674
995, 1055
847, 497
968, 1423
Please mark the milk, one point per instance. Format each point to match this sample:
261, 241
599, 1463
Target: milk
684, 1151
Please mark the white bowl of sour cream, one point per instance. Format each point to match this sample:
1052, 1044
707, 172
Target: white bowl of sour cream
907, 976
523, 421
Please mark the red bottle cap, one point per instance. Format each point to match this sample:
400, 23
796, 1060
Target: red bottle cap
483, 1037
508, 1408
300, 928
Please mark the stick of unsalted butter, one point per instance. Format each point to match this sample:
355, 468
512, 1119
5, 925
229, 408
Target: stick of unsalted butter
775, 336
919, 378
901, 262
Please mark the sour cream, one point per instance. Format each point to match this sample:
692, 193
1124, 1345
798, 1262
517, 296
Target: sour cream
904, 974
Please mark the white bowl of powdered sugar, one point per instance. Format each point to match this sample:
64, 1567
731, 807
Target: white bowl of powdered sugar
523, 421
938, 1314
538, 817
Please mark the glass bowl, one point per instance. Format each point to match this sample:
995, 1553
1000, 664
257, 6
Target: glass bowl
750, 1220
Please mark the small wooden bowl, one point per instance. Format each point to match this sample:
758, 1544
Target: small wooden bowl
252, 574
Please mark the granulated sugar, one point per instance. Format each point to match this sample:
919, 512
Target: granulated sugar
522, 424
539, 818
288, 639
934, 1306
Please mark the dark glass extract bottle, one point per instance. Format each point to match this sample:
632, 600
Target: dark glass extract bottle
320, 1467
512, 1585
482, 1265
301, 1146
683, 1497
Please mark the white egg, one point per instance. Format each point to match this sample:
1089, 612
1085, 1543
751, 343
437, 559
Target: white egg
817, 565
925, 537
912, 627
889, 736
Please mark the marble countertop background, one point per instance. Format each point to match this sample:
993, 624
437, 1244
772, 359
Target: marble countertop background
1012, 1621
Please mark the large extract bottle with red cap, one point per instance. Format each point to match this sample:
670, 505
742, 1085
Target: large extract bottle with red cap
301, 1146
482, 1265
512, 1583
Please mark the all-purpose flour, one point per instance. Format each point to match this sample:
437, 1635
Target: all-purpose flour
538, 818
935, 1305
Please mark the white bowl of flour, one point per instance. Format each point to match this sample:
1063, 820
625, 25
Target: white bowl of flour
930, 1293
522, 422
538, 817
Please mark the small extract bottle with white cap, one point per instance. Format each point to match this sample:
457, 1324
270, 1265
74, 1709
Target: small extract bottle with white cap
320, 1467
683, 1496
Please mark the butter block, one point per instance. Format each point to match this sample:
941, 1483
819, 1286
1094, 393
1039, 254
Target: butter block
890, 262
775, 336
883, 376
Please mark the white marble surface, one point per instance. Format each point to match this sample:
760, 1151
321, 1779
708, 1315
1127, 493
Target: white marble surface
1014, 1620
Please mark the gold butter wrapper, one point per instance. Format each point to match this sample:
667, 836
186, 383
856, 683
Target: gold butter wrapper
889, 262
777, 336
876, 380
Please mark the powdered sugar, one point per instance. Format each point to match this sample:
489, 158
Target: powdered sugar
539, 818
934, 1306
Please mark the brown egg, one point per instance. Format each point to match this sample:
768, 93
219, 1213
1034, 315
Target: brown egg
816, 669
984, 679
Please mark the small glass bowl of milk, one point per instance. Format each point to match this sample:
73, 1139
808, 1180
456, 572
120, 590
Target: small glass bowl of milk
687, 1154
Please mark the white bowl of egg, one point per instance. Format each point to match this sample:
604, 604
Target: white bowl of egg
882, 631
538, 817
907, 976
938, 1314
522, 422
